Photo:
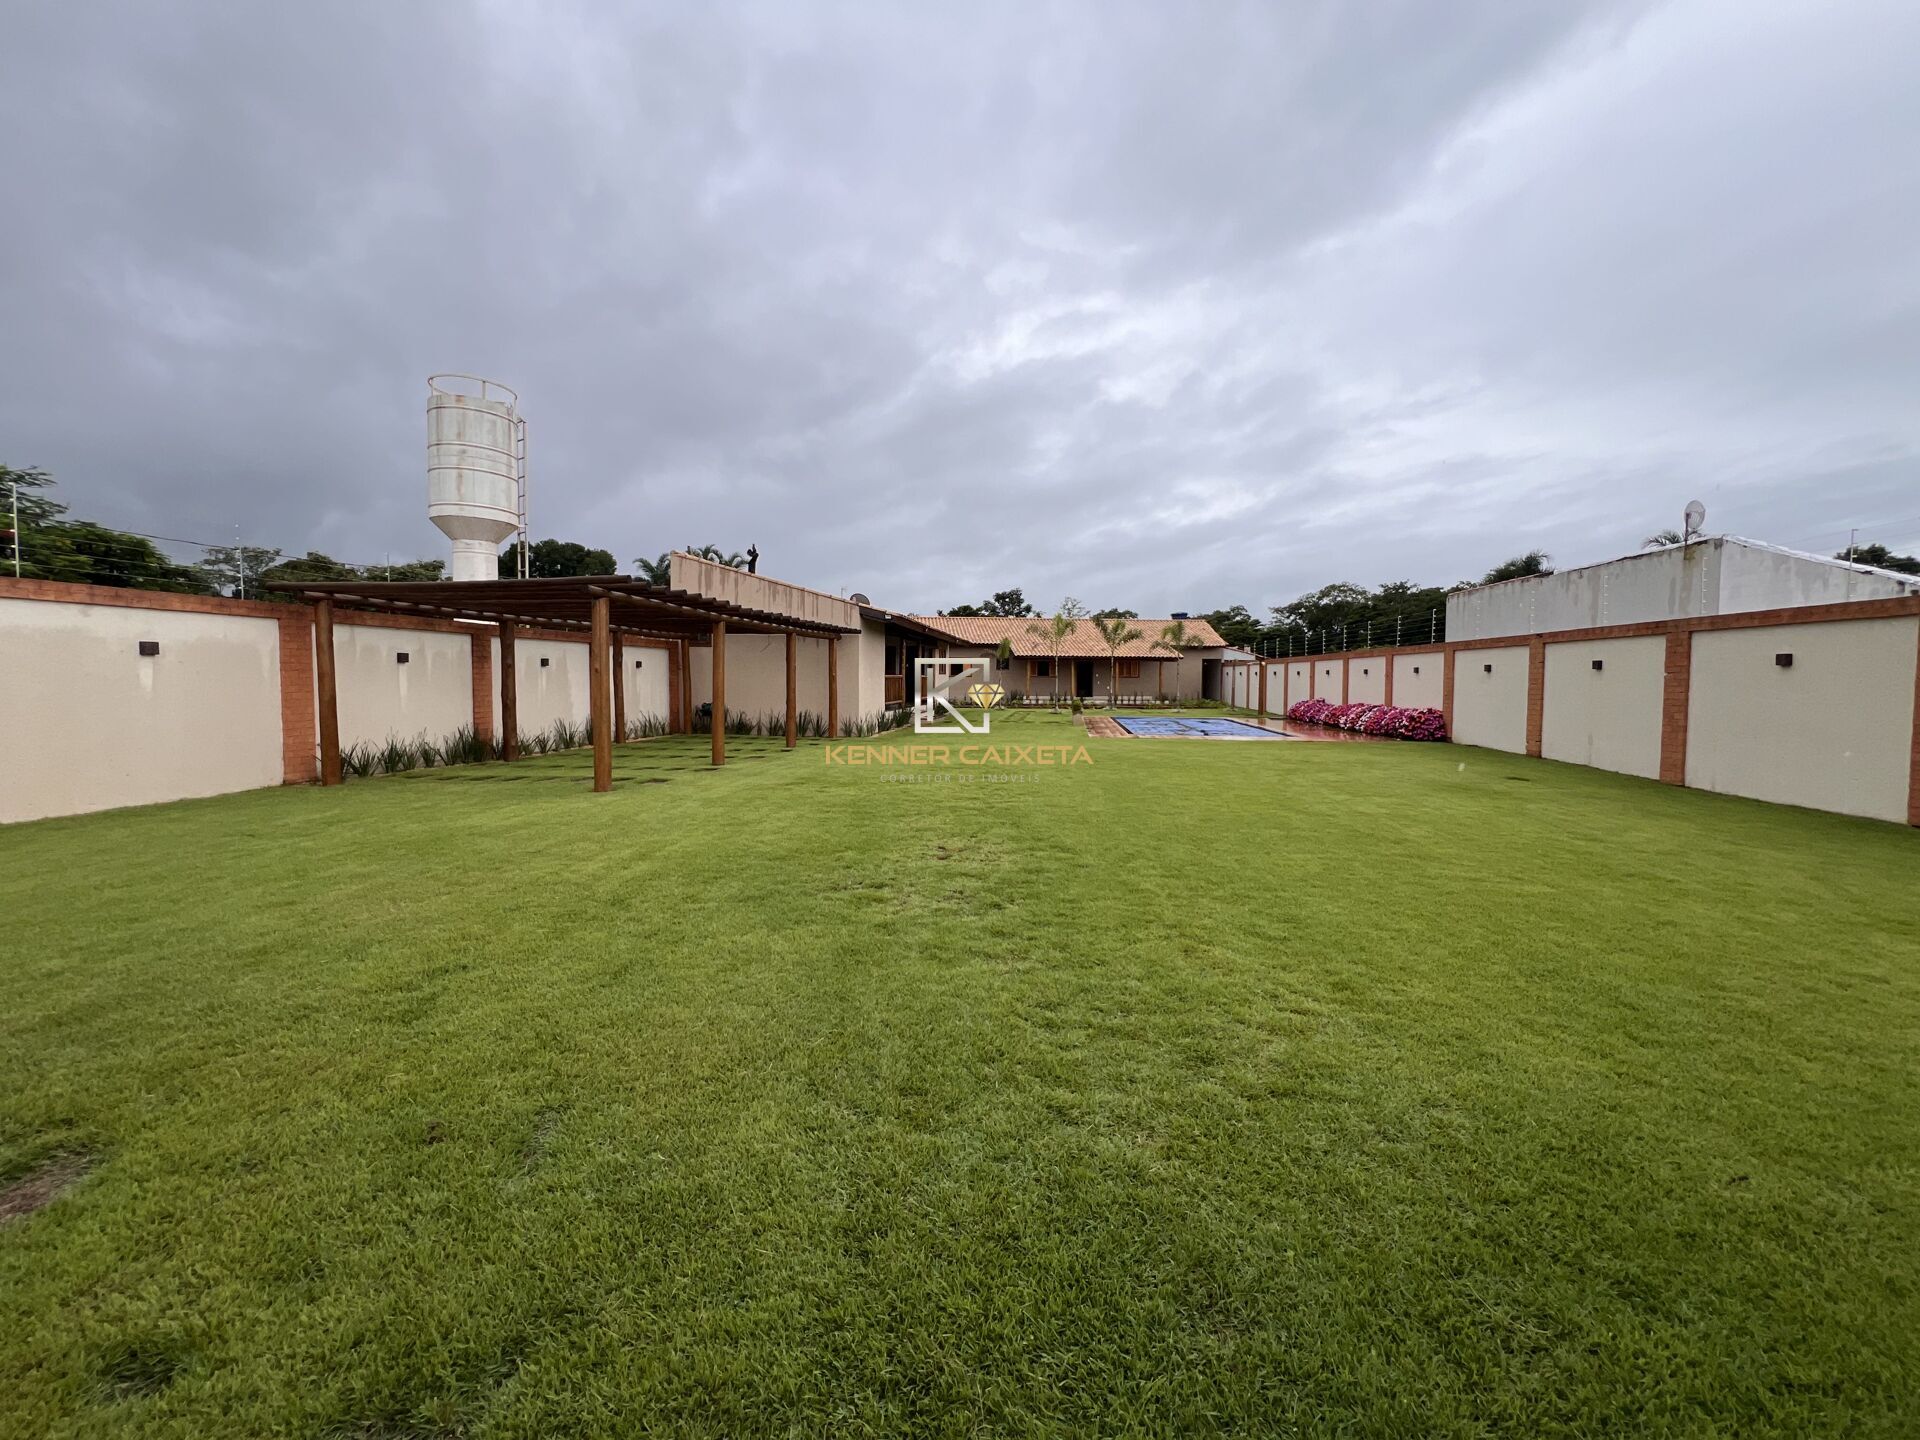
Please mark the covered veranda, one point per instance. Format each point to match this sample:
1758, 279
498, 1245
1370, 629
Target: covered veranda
607, 610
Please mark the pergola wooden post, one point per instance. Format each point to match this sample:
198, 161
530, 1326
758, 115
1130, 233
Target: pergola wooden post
686, 687
509, 696
833, 689
619, 690
793, 691
719, 688
597, 668
1263, 689
328, 692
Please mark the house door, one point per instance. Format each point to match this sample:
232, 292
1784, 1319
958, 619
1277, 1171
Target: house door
1083, 679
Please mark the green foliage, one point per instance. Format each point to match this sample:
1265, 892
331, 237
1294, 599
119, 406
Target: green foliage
1534, 562
1881, 558
1116, 615
733, 560
551, 559
1662, 537
655, 572
1010, 603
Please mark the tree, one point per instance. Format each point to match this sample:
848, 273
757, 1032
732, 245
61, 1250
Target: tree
1662, 537
290, 574
1115, 632
1881, 558
1055, 631
1010, 603
1174, 637
714, 553
1116, 614
50, 547
1235, 625
655, 572
237, 569
549, 559
1534, 562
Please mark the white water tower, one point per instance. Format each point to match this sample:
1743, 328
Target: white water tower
476, 471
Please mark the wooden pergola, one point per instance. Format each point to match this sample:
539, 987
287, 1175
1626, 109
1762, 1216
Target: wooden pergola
607, 609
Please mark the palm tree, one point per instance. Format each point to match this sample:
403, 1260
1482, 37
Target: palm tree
1176, 638
1055, 631
655, 572
718, 556
1662, 537
1116, 633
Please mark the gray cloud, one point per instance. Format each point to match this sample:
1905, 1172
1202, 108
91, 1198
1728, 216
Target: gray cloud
1162, 307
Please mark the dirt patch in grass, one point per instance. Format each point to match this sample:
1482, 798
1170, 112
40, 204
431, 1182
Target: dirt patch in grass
43, 1185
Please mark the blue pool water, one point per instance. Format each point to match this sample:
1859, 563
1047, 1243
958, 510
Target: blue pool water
1189, 728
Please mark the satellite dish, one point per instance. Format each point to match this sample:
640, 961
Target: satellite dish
859, 599
1696, 517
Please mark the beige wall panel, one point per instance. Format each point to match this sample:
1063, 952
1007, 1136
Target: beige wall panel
555, 691
431, 696
92, 724
1367, 681
1424, 690
1834, 731
1490, 707
1607, 718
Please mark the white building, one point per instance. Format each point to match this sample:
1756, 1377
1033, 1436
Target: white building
1712, 575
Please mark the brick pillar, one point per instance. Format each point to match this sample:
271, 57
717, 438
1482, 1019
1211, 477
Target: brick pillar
1446, 690
1536, 692
1675, 696
1346, 669
482, 643
1388, 662
298, 738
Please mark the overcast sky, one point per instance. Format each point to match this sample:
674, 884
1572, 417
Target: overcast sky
1168, 306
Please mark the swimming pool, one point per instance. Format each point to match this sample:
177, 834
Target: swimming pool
1186, 727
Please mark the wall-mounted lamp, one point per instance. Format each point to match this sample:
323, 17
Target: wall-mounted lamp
1365, 671
1416, 669
401, 657
1784, 660
1599, 664
544, 662
149, 647
637, 664
1487, 668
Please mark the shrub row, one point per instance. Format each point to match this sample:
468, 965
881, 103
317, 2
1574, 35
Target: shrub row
1394, 720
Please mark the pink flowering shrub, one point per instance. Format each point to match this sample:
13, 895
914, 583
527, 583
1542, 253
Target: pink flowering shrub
1393, 720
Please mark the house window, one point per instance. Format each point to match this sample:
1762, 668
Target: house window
1129, 669
1003, 662
1040, 669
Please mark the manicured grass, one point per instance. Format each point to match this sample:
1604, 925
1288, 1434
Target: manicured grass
1270, 1089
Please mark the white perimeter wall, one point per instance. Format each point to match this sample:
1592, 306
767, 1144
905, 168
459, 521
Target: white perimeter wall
1608, 718
1425, 690
430, 696
1834, 731
1326, 680
1491, 709
1367, 681
91, 724
546, 693
645, 673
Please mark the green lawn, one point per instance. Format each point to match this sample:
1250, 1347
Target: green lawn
1265, 1088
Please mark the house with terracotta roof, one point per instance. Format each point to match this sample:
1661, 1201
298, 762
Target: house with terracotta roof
1023, 655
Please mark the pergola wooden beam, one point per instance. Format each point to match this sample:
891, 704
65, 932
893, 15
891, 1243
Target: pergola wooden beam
833, 689
328, 692
618, 670
598, 707
793, 692
509, 696
719, 692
